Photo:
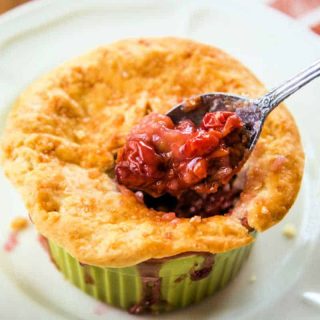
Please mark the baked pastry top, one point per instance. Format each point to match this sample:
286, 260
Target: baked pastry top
65, 129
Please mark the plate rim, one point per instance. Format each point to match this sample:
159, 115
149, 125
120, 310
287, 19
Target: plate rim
28, 8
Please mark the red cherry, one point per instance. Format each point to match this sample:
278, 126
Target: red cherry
202, 143
215, 120
161, 157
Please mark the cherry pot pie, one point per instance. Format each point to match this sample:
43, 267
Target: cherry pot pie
142, 213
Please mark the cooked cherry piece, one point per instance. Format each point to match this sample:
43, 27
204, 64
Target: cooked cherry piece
161, 157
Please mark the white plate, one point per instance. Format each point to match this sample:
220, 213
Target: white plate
41, 35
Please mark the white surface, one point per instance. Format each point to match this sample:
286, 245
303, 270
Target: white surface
41, 35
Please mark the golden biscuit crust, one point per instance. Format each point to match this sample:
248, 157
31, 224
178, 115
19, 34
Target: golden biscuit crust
64, 130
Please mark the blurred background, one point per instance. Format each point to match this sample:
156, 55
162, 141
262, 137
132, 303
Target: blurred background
307, 12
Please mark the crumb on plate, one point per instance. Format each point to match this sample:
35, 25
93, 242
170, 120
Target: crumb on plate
19, 224
253, 279
289, 231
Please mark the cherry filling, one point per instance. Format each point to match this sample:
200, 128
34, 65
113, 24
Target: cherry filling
189, 165
191, 203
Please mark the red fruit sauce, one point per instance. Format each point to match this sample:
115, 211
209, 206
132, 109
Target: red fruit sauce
11, 242
161, 157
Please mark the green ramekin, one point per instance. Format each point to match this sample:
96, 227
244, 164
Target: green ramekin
157, 285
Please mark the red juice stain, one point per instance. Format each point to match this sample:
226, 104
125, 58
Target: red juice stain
11, 242
100, 309
44, 243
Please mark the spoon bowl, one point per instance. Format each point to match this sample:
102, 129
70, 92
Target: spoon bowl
247, 109
252, 112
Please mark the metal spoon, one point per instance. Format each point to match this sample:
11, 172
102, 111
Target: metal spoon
253, 112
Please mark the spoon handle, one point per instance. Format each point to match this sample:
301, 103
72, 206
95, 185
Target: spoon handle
272, 99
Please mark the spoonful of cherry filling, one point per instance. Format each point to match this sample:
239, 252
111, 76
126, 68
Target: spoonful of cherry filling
201, 144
